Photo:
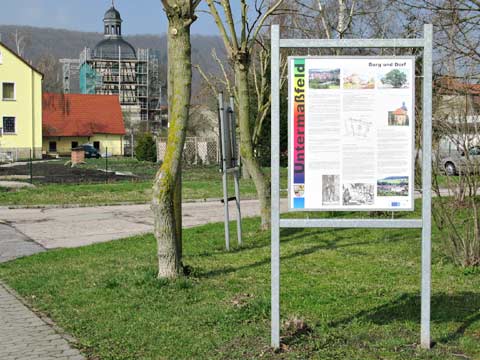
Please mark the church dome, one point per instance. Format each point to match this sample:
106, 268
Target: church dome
112, 48
112, 14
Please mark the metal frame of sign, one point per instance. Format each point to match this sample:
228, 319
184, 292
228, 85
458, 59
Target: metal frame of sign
229, 163
424, 223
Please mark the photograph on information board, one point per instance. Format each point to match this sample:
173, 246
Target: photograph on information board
351, 133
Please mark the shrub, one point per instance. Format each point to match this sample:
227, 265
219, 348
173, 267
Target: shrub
457, 213
145, 149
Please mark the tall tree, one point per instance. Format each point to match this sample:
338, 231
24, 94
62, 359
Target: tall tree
456, 39
20, 40
50, 67
167, 191
239, 43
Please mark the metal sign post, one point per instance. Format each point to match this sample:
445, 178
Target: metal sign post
236, 173
424, 223
229, 163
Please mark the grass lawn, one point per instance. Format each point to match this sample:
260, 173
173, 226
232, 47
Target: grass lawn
445, 181
357, 291
198, 183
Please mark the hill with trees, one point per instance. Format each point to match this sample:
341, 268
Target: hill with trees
45, 46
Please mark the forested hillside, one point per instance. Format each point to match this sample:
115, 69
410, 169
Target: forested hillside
41, 43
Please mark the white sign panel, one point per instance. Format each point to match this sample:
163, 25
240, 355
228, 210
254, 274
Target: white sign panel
351, 133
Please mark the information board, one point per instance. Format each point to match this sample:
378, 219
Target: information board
351, 133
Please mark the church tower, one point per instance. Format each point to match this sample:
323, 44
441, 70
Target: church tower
113, 22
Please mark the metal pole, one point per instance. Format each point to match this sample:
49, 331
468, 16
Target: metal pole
31, 167
195, 144
131, 144
236, 177
426, 186
236, 174
224, 170
148, 90
106, 164
275, 165
119, 74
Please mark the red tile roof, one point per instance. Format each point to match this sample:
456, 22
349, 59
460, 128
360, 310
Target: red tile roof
81, 115
448, 85
400, 111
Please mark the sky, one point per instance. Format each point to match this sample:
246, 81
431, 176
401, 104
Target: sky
139, 16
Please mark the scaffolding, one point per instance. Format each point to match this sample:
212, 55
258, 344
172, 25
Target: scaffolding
136, 82
70, 68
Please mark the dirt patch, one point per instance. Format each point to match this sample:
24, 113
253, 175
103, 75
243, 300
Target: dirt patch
58, 173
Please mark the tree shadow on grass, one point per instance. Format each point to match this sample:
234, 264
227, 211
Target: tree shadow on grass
286, 236
462, 308
329, 244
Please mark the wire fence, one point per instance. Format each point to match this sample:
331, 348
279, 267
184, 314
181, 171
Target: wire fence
24, 167
8, 156
74, 170
197, 150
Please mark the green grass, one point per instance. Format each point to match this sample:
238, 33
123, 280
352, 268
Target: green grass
198, 183
81, 194
357, 290
445, 181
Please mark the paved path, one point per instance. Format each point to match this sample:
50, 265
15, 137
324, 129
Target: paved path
73, 227
23, 335
14, 244
10, 184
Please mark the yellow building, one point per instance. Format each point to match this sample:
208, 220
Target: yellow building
71, 120
20, 106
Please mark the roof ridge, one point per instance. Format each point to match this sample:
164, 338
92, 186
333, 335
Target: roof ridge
22, 59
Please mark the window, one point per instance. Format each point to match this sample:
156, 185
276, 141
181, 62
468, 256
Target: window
74, 144
107, 29
96, 145
113, 29
118, 30
474, 151
52, 146
9, 125
8, 91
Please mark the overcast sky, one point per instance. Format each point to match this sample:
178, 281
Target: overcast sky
139, 16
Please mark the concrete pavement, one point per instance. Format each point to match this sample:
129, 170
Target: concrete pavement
14, 244
23, 335
73, 227
78, 226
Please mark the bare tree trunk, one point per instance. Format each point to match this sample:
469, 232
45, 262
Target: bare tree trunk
239, 46
246, 147
167, 202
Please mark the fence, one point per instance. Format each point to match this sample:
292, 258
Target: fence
197, 150
8, 155
105, 169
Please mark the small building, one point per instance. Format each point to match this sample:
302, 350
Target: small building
20, 106
71, 120
456, 114
398, 117
115, 67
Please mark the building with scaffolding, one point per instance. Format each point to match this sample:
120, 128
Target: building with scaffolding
115, 67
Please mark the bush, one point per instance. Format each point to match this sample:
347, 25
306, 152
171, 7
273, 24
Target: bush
145, 149
456, 214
